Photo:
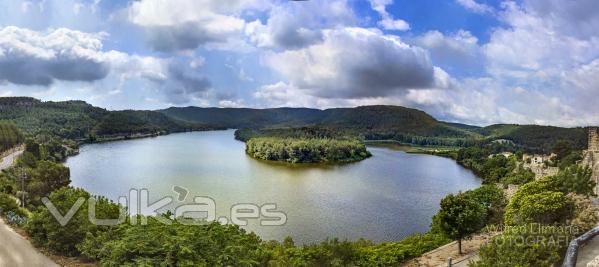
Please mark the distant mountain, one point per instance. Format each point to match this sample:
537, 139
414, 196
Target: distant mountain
364, 118
536, 137
77, 119
376, 123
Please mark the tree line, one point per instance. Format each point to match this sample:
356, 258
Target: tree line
10, 136
311, 150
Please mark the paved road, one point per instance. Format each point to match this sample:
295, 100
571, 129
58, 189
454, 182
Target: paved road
588, 253
8, 160
16, 251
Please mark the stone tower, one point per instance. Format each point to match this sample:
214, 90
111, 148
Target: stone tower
593, 139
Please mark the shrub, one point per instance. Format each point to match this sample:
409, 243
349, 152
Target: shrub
46, 231
526, 245
546, 207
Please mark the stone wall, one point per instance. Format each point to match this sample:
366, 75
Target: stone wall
593, 139
591, 160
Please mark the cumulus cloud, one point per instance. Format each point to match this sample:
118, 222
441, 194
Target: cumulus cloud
575, 18
184, 84
475, 7
535, 44
355, 62
186, 24
294, 25
459, 50
39, 58
387, 21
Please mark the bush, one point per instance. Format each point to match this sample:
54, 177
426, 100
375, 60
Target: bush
521, 176
157, 244
46, 231
526, 245
8, 205
546, 207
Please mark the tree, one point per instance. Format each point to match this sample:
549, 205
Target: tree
460, 217
575, 179
45, 178
526, 245
520, 176
562, 148
46, 231
493, 199
545, 207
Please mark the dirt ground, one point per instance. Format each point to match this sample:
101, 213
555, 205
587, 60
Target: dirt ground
440, 256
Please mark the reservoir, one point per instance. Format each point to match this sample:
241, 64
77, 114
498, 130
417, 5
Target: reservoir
383, 198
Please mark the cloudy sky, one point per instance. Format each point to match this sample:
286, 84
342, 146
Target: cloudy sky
470, 61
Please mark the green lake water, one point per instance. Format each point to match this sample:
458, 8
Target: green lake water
383, 198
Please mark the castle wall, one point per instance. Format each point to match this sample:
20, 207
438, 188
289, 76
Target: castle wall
593, 139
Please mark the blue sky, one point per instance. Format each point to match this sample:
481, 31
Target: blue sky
471, 61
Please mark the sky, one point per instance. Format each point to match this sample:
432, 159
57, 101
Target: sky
470, 61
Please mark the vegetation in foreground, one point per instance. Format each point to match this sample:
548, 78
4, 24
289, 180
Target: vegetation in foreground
306, 150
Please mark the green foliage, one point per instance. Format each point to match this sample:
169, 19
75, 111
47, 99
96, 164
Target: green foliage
9, 204
546, 200
306, 150
10, 136
562, 148
157, 244
46, 177
493, 199
492, 169
395, 253
527, 245
518, 177
44, 230
535, 138
460, 216
545, 207
570, 160
575, 179
78, 120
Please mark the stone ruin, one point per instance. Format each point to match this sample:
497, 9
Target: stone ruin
591, 155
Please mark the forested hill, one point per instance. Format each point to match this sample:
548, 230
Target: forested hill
536, 137
77, 119
360, 119
376, 123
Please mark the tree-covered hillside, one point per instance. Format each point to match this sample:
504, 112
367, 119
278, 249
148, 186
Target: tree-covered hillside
536, 137
77, 119
359, 120
10, 136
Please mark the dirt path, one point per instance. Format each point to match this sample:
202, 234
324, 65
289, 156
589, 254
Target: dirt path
7, 160
15, 250
439, 257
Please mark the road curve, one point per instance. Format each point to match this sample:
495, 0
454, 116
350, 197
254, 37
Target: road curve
15, 250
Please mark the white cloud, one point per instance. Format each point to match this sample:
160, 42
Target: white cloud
294, 25
459, 50
39, 58
186, 24
353, 63
534, 44
387, 21
475, 7
231, 103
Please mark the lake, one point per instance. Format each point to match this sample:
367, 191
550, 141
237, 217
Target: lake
383, 198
